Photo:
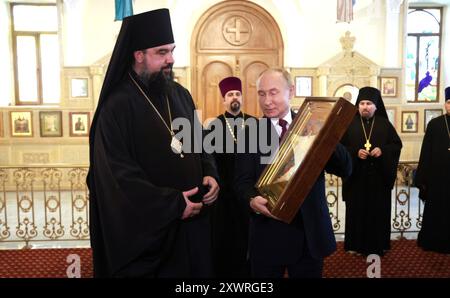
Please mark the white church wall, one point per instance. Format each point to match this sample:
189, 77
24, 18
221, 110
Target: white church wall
309, 28
6, 69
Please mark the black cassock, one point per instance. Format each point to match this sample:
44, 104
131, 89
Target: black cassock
136, 183
367, 192
432, 178
229, 215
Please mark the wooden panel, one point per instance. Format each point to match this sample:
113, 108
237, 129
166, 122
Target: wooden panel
230, 28
237, 38
251, 73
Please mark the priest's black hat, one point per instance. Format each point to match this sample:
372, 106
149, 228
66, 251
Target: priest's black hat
374, 95
138, 32
150, 29
447, 93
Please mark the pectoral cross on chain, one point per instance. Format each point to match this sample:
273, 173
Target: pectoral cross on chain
367, 145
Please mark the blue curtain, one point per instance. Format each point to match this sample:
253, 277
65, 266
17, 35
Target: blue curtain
124, 8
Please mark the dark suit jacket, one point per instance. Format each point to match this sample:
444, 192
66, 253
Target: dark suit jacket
275, 242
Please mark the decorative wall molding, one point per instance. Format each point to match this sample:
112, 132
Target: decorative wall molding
36, 158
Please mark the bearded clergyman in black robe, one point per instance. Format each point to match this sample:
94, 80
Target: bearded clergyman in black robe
147, 215
432, 179
375, 148
230, 215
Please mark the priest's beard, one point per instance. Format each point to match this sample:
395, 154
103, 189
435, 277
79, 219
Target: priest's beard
158, 82
235, 106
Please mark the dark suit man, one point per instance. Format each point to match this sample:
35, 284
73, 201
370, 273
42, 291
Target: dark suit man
275, 246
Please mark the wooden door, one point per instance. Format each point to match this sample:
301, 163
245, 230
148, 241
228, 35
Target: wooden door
236, 38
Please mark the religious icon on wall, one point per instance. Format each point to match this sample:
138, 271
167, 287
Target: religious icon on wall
50, 124
388, 87
79, 124
409, 121
21, 124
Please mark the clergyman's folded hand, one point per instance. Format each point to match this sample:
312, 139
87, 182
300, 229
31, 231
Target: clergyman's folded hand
191, 209
213, 192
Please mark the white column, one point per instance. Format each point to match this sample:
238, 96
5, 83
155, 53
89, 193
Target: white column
97, 74
323, 74
374, 73
392, 34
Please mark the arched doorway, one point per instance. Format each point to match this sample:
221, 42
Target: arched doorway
236, 38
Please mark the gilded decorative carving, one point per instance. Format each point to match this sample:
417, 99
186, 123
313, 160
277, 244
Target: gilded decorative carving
53, 229
25, 203
77, 178
332, 187
79, 228
52, 177
347, 68
80, 225
347, 43
26, 230
4, 230
24, 179
79, 203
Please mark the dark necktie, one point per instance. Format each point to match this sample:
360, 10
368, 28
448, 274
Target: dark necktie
283, 123
291, 162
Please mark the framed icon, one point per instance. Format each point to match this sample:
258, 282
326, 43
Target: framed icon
409, 121
21, 123
50, 124
79, 124
388, 86
79, 87
303, 86
430, 114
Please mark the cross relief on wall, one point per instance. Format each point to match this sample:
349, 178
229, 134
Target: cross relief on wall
237, 30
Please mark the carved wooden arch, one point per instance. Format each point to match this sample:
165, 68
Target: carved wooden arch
239, 34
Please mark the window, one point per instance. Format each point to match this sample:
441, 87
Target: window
36, 53
423, 48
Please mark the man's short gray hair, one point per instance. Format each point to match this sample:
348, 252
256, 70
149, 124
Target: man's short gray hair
286, 75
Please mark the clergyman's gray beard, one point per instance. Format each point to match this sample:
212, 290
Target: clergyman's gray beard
235, 106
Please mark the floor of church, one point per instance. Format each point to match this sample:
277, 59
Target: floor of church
404, 260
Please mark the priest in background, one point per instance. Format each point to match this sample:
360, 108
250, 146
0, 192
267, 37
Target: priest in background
432, 179
375, 148
230, 215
